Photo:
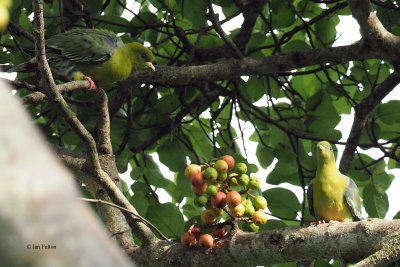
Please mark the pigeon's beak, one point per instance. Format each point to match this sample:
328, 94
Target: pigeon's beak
321, 147
151, 66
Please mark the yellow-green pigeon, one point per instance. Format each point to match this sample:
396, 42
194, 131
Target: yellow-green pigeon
95, 53
331, 195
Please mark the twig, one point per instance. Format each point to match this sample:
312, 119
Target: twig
217, 26
124, 209
21, 31
39, 97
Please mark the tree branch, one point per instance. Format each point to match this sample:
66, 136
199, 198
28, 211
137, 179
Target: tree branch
233, 68
94, 167
362, 111
103, 124
39, 97
217, 26
374, 34
388, 254
356, 240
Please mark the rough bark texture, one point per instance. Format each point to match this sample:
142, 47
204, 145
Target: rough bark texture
348, 241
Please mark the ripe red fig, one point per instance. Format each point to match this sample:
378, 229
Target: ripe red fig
219, 231
199, 190
230, 160
197, 179
196, 231
219, 200
192, 169
233, 198
188, 239
206, 241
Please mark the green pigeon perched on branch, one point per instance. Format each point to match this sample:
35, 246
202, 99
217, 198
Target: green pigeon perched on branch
94, 54
331, 195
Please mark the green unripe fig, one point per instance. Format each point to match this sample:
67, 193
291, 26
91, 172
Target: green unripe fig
234, 181
243, 180
254, 182
221, 166
241, 167
212, 190
251, 227
200, 201
249, 209
211, 174
222, 176
259, 217
260, 203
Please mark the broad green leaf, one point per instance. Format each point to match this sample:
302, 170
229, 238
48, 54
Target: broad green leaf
140, 202
397, 216
264, 155
375, 201
114, 8
283, 173
191, 11
282, 202
326, 30
95, 6
25, 22
282, 15
183, 184
153, 173
201, 142
386, 111
306, 85
167, 218
172, 154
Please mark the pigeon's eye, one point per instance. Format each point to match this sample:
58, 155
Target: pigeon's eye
330, 148
143, 55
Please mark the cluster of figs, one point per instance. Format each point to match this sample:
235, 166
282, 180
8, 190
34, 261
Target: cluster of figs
221, 186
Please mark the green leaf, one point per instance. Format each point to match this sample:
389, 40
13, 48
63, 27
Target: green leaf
282, 15
114, 8
140, 202
191, 11
375, 201
282, 202
306, 85
253, 89
182, 184
25, 22
172, 154
201, 143
167, 218
397, 216
283, 173
386, 112
326, 30
264, 155
95, 6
